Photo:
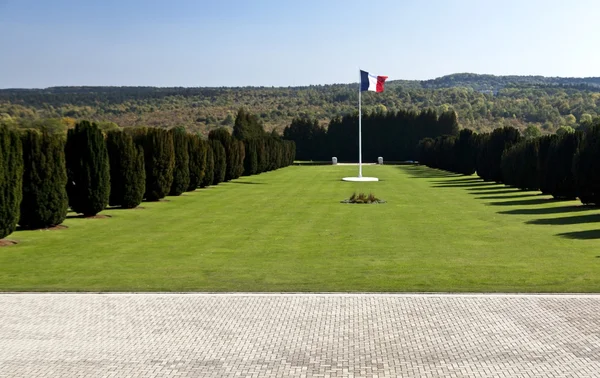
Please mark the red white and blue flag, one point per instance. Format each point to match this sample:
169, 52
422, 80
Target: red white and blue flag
370, 82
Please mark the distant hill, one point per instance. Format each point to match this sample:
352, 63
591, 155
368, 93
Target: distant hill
495, 83
482, 102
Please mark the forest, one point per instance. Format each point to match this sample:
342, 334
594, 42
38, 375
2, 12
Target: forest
481, 102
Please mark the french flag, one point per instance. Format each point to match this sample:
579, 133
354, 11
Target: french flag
370, 82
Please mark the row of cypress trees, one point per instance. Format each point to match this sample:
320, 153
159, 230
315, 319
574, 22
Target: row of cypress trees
42, 175
456, 154
566, 166
393, 135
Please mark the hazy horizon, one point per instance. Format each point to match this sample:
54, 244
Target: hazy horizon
284, 86
292, 44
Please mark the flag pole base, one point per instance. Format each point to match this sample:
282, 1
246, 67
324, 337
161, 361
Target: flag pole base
360, 179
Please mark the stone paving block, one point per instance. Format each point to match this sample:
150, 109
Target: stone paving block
298, 335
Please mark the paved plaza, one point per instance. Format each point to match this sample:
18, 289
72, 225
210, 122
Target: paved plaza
299, 335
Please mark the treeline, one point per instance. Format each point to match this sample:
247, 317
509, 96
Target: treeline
483, 102
392, 135
565, 165
42, 175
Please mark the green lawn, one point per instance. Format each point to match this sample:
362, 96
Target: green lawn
287, 231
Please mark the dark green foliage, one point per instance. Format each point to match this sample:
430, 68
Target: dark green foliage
519, 165
241, 156
88, 169
481, 142
544, 143
220, 161
11, 179
181, 170
465, 152
251, 157
290, 151
232, 152
209, 170
559, 165
393, 135
311, 139
491, 150
448, 123
262, 155
247, 126
45, 202
159, 160
127, 171
425, 153
197, 151
439, 153
586, 167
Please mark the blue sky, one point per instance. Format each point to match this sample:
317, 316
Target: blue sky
288, 42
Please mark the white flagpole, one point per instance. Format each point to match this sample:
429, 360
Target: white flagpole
359, 128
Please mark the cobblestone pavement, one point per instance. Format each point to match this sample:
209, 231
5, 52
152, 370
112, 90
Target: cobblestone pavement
298, 335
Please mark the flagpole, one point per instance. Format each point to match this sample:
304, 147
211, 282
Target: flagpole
359, 128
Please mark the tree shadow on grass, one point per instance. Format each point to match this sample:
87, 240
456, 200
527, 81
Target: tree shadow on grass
424, 172
466, 185
81, 216
469, 179
547, 210
125, 208
509, 196
533, 201
247, 182
583, 235
492, 191
578, 219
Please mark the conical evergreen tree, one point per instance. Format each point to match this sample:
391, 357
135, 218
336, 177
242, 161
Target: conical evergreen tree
159, 160
220, 161
491, 154
251, 158
197, 151
466, 152
127, 171
247, 126
586, 167
232, 152
544, 169
209, 171
45, 202
241, 156
88, 169
181, 171
262, 154
448, 123
560, 179
11, 179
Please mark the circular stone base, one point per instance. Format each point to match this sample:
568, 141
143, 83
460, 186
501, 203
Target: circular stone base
360, 179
